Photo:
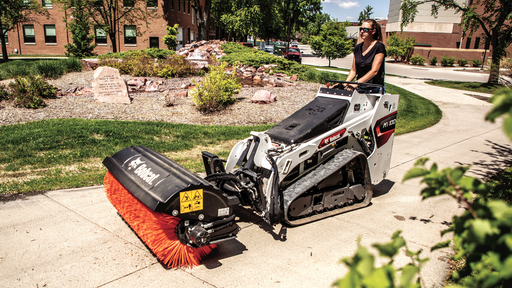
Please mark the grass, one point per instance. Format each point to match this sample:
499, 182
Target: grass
45, 68
467, 86
414, 112
67, 153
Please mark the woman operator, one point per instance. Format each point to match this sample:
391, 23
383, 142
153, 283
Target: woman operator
368, 64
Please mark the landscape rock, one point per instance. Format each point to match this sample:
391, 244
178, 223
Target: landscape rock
109, 86
263, 97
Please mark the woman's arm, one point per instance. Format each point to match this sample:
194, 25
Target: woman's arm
377, 62
352, 73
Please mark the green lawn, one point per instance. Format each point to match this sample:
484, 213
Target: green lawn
468, 86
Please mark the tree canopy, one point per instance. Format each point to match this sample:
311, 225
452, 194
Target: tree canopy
332, 41
265, 18
365, 14
112, 15
13, 12
495, 21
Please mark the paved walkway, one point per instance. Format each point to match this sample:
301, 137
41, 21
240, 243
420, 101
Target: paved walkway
74, 238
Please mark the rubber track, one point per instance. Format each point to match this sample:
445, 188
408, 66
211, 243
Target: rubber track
316, 176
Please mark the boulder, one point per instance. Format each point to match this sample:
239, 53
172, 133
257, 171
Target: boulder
109, 86
263, 97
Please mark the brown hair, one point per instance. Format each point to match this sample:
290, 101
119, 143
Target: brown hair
378, 33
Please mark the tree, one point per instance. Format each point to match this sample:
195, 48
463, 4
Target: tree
170, 39
332, 41
110, 15
365, 14
297, 13
13, 12
202, 17
80, 31
313, 28
242, 18
495, 21
400, 48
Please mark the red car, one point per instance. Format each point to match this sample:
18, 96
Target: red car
293, 54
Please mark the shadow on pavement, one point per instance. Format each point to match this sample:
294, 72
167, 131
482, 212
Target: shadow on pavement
501, 158
382, 188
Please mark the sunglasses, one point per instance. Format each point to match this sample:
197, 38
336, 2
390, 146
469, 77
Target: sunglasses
365, 29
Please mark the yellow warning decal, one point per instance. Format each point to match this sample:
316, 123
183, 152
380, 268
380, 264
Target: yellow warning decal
191, 201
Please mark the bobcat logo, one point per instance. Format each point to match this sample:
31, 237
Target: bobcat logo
134, 163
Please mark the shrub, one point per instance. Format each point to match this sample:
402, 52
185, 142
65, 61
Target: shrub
476, 62
433, 61
256, 58
142, 63
4, 95
418, 60
158, 53
462, 62
29, 92
175, 66
49, 69
314, 75
217, 89
447, 61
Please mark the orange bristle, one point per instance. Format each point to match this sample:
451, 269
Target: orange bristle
153, 228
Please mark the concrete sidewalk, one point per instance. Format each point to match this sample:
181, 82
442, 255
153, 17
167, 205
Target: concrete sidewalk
74, 238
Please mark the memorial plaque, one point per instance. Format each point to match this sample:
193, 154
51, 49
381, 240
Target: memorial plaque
109, 86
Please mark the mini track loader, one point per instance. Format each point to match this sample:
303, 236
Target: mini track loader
321, 161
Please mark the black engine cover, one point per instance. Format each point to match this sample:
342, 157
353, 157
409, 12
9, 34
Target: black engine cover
317, 117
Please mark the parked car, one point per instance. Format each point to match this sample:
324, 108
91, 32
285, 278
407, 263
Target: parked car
293, 54
247, 44
295, 44
268, 48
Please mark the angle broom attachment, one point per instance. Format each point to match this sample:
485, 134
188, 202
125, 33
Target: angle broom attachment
155, 229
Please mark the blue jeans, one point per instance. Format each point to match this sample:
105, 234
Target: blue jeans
375, 90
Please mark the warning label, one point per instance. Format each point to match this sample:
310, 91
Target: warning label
191, 201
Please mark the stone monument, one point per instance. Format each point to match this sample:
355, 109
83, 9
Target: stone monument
109, 86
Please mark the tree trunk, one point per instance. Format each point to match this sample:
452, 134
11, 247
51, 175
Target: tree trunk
494, 75
329, 61
112, 36
202, 18
4, 46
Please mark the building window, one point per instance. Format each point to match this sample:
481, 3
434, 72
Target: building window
153, 42
47, 4
50, 36
487, 43
184, 7
468, 43
179, 2
188, 6
101, 36
193, 16
188, 35
5, 36
458, 45
128, 3
152, 3
130, 34
29, 35
477, 42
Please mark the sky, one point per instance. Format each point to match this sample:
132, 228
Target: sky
350, 9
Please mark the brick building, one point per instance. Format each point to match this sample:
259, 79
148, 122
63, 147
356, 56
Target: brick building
439, 36
48, 36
